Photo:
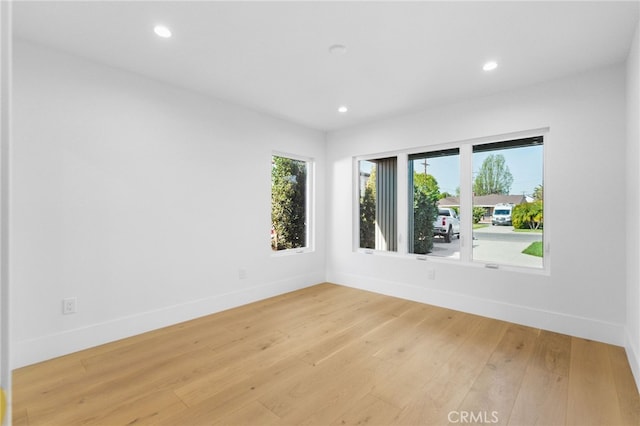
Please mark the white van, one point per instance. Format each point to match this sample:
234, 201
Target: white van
502, 214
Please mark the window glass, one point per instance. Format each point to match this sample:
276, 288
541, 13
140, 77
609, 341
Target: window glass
508, 202
289, 205
378, 204
434, 203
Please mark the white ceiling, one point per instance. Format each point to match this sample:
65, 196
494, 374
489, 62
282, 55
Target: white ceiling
401, 56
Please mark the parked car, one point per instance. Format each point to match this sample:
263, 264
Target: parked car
502, 214
447, 224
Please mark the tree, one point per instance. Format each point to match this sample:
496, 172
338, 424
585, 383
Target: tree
427, 184
425, 210
288, 203
493, 177
538, 193
368, 213
478, 214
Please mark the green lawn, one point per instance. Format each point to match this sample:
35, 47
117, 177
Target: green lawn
534, 231
479, 225
534, 249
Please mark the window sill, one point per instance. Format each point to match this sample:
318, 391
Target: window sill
458, 262
291, 252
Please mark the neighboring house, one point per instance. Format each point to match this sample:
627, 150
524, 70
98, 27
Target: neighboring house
486, 201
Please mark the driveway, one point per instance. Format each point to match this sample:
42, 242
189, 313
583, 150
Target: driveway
493, 244
499, 244
448, 250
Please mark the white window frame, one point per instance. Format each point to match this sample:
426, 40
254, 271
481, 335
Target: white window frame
310, 203
426, 150
466, 201
401, 208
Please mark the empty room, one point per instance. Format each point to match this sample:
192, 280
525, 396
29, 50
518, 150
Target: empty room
320, 213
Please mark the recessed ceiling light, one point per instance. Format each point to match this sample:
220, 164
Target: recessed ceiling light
342, 109
490, 66
162, 31
338, 49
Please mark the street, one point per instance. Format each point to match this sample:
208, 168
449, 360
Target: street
505, 233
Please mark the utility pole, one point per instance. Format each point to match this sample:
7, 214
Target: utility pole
425, 164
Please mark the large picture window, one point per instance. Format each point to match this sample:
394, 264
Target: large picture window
289, 203
472, 202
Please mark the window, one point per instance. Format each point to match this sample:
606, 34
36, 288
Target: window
508, 202
434, 186
378, 204
472, 202
290, 201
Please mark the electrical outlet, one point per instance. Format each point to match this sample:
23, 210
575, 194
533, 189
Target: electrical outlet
242, 273
431, 274
69, 305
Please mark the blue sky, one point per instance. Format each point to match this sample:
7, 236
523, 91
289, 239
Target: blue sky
525, 164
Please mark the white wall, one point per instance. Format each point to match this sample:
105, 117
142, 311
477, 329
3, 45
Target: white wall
141, 200
5, 136
584, 295
633, 206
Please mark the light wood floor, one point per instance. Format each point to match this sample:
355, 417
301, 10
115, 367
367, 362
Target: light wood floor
330, 355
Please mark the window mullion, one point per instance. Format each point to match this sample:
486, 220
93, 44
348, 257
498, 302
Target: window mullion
466, 203
403, 203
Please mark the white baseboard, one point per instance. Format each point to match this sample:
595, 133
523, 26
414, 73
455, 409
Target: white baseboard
633, 355
558, 322
32, 351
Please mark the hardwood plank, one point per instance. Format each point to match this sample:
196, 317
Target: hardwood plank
593, 399
20, 417
224, 368
368, 410
251, 414
626, 387
236, 365
496, 387
397, 339
542, 398
80, 402
326, 389
457, 369
42, 379
147, 409
287, 311
238, 395
160, 347
324, 349
421, 357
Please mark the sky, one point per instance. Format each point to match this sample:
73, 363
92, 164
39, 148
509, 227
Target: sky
525, 165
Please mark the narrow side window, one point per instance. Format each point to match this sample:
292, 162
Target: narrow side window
289, 203
378, 204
